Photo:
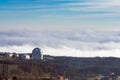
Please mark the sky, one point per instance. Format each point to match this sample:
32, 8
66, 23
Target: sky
84, 28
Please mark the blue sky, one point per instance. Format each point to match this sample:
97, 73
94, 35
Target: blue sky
55, 15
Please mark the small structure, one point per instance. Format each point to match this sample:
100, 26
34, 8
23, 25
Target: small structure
22, 56
14, 55
7, 55
47, 57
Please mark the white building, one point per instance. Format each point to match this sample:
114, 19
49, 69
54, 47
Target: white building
36, 54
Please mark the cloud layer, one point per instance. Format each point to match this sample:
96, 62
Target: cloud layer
68, 43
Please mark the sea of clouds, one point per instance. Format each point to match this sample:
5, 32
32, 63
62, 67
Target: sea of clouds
66, 43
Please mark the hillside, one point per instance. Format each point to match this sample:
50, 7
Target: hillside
75, 66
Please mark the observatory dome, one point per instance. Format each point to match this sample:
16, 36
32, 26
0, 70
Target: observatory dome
36, 54
36, 51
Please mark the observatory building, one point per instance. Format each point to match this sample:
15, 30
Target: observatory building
36, 54
22, 56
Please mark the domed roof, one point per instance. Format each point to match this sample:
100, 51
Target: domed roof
36, 51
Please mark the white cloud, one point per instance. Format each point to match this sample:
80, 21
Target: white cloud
107, 6
80, 43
